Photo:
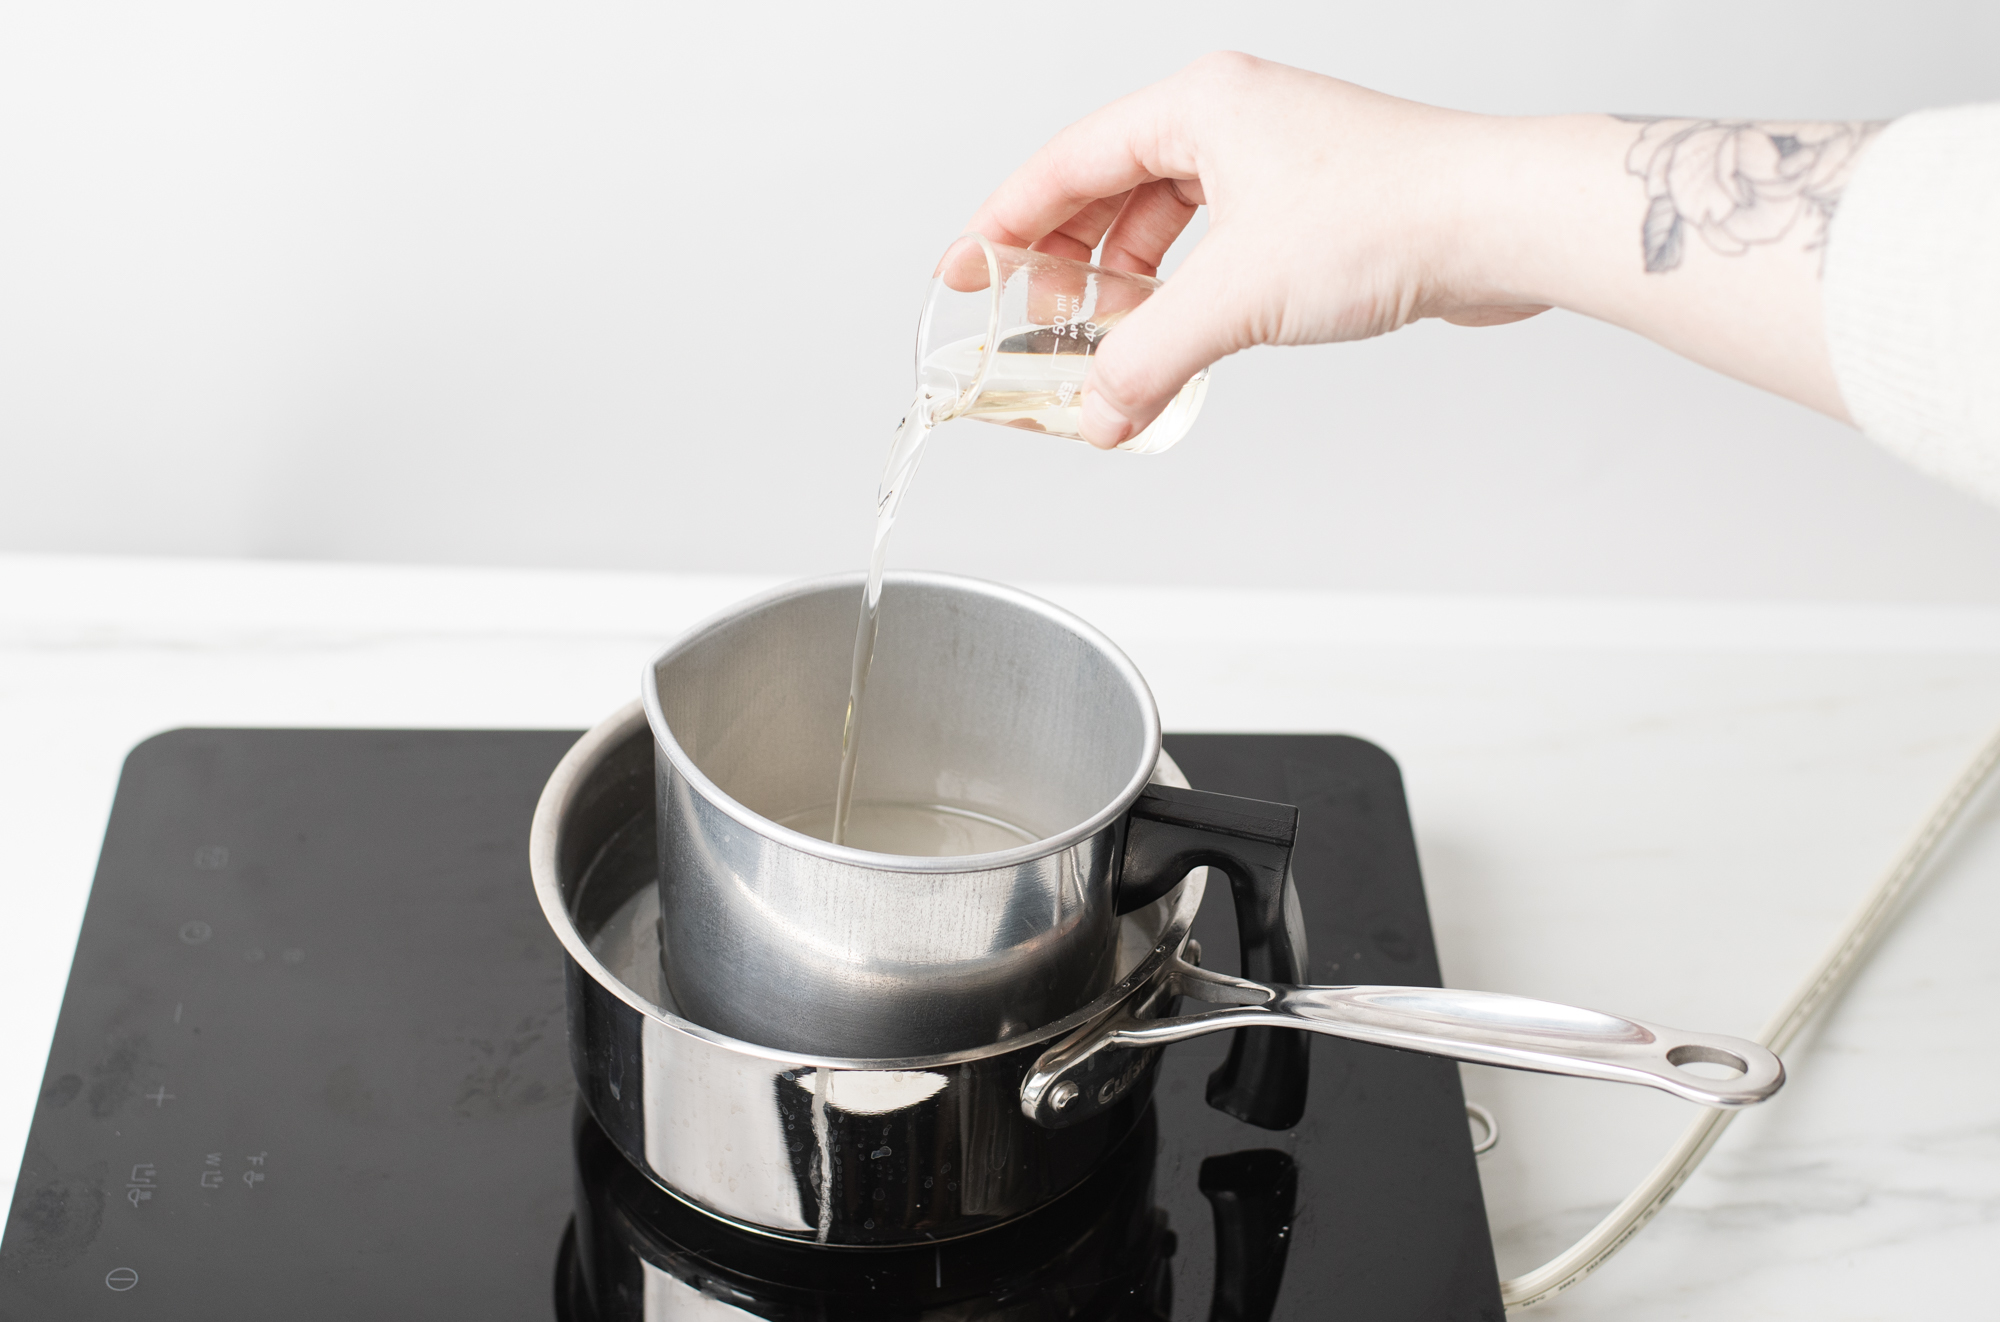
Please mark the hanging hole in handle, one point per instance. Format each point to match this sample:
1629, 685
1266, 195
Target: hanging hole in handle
1712, 1063
1486, 1128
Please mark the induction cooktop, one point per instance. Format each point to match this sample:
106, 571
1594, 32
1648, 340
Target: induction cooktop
310, 1065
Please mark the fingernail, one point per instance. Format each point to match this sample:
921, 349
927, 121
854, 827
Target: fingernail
1103, 426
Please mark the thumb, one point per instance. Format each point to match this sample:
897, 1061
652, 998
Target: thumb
1188, 323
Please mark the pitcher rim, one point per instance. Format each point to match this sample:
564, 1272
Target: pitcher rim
664, 740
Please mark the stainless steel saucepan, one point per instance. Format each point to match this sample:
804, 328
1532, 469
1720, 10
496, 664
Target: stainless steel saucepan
858, 1151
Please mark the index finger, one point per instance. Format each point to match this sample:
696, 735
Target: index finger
1134, 140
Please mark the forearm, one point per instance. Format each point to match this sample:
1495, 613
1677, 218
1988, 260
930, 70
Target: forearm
1704, 236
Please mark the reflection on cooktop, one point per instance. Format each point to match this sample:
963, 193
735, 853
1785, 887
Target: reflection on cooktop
636, 1253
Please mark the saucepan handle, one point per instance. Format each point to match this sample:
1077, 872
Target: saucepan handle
1482, 1027
1170, 832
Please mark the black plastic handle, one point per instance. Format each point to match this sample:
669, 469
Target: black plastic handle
1170, 832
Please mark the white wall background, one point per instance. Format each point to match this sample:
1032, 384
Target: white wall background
633, 285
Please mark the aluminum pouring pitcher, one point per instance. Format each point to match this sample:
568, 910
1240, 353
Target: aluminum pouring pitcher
982, 701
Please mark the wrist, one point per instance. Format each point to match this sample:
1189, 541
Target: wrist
1535, 219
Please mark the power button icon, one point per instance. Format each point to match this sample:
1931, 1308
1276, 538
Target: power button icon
120, 1278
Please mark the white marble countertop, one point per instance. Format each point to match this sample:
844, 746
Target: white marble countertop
1664, 809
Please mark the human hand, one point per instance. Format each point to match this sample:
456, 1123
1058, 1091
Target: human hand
1333, 215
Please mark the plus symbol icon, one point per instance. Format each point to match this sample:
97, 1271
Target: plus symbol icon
159, 1097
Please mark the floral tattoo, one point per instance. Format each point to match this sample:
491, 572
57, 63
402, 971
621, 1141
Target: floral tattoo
1738, 184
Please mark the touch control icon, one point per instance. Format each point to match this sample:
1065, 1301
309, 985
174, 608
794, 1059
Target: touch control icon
120, 1278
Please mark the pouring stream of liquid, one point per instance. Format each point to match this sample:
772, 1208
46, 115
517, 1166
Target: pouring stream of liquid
905, 453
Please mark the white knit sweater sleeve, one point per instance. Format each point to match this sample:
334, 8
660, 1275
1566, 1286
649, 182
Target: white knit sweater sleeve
1912, 294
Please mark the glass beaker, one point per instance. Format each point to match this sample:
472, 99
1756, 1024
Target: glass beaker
1007, 334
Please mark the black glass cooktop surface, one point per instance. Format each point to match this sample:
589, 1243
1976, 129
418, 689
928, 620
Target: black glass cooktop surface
310, 1065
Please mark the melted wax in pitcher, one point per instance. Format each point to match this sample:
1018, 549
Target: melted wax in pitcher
924, 830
